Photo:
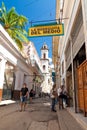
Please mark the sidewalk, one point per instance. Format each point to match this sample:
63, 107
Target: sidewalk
79, 117
6, 102
69, 120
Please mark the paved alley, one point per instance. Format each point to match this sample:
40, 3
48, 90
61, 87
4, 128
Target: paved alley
37, 116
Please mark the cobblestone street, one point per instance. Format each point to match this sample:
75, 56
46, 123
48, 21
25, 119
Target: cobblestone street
38, 116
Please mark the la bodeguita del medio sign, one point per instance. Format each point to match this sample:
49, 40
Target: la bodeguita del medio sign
46, 30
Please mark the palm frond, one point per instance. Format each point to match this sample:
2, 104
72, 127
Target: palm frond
14, 25
3, 13
19, 44
1, 19
11, 33
21, 36
3, 7
11, 14
22, 21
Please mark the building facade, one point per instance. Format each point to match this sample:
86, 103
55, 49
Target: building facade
35, 61
14, 68
72, 48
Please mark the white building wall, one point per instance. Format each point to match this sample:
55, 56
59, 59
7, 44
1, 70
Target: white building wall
68, 23
19, 79
9, 52
2, 70
33, 55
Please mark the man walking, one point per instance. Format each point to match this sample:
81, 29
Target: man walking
23, 96
53, 97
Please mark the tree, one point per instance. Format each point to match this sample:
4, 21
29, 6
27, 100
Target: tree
14, 24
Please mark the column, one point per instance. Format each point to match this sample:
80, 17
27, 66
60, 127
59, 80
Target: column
72, 72
84, 11
2, 70
18, 79
18, 82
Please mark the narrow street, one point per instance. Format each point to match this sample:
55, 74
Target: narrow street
43, 54
37, 116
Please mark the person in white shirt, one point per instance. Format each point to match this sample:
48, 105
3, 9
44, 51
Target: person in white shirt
59, 91
62, 94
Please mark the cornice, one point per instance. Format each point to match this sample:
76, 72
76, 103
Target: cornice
9, 44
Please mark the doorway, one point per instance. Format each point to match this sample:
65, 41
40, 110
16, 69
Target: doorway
9, 82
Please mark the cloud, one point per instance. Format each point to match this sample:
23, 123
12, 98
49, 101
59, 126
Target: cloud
51, 63
50, 60
52, 66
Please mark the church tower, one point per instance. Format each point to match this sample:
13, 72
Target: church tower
44, 58
45, 68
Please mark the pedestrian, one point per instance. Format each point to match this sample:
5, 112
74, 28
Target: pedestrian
23, 96
53, 97
65, 97
31, 94
60, 96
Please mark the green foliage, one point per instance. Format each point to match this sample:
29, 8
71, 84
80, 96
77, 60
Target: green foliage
14, 24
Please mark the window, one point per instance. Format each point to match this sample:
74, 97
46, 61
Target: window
44, 67
44, 56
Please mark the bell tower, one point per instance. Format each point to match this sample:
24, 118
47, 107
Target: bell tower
45, 68
44, 58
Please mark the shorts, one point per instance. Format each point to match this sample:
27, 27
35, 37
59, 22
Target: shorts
23, 99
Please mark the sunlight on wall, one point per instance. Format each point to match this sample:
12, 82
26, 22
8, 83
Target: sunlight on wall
8, 55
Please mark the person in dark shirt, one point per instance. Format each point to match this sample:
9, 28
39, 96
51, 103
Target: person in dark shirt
23, 96
31, 94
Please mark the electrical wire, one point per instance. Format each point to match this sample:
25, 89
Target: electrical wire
34, 1
45, 12
51, 20
39, 16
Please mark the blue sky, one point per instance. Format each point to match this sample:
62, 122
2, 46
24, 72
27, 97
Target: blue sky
35, 10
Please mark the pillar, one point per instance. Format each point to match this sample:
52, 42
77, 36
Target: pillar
18, 83
2, 70
72, 73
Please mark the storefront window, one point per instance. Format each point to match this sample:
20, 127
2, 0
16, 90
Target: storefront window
9, 81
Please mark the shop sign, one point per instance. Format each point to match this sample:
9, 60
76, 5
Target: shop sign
46, 30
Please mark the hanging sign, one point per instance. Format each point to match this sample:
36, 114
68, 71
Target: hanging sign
46, 30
